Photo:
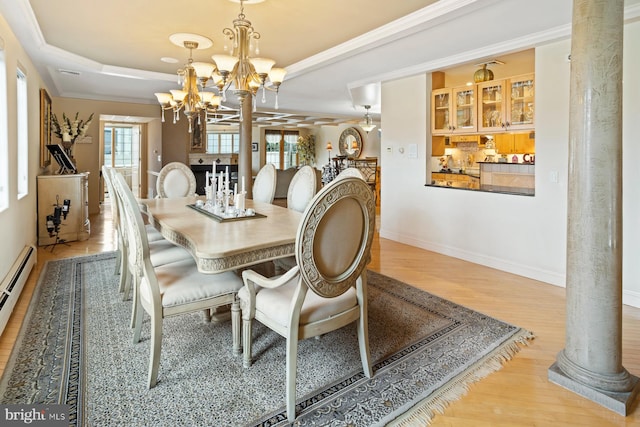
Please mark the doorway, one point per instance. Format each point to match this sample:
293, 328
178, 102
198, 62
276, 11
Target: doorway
122, 148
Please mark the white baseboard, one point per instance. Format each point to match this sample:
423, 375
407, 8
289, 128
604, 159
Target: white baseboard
553, 278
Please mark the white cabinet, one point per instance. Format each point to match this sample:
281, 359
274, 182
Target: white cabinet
522, 103
489, 107
453, 110
63, 208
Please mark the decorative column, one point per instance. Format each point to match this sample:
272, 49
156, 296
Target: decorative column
244, 154
591, 362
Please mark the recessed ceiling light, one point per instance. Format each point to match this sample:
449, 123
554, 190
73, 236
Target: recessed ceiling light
169, 60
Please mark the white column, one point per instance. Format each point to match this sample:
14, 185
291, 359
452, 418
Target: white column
591, 362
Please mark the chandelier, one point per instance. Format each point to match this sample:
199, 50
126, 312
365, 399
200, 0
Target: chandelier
236, 68
367, 123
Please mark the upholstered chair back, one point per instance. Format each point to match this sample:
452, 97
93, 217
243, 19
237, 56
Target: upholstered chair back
176, 180
302, 188
264, 186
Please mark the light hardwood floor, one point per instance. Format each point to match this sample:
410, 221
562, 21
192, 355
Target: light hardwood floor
517, 395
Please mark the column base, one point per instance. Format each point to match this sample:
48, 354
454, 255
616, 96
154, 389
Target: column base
617, 402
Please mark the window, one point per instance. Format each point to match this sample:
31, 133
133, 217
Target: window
4, 146
282, 148
23, 134
223, 142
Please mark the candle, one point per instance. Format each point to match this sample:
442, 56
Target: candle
220, 182
226, 184
206, 182
235, 188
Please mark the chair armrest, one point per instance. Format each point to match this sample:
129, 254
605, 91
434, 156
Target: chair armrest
266, 282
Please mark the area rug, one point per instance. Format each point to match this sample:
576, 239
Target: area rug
76, 348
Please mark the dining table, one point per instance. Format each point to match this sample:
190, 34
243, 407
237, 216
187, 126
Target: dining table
225, 244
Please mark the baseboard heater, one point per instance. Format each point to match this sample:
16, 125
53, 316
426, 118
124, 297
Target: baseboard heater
13, 283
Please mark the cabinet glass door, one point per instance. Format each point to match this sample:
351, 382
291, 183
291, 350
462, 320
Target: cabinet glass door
522, 103
441, 111
491, 110
465, 110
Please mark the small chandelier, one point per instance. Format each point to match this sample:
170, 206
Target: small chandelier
189, 99
367, 123
247, 75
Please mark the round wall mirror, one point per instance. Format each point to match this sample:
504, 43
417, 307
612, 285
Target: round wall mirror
350, 143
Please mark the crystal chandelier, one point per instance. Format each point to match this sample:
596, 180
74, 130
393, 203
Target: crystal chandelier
367, 124
236, 68
189, 98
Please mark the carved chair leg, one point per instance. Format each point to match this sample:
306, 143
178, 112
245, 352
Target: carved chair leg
236, 326
156, 346
118, 269
135, 305
292, 367
124, 276
246, 342
137, 322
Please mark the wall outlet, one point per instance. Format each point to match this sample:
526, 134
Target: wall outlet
389, 150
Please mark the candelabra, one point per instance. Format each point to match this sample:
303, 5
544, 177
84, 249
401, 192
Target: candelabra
54, 221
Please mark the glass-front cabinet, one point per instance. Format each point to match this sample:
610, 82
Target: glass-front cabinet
441, 111
464, 119
492, 114
522, 95
453, 110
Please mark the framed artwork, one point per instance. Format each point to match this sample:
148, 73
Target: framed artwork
198, 137
45, 128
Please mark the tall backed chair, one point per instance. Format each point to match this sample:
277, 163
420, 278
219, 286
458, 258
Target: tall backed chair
106, 176
152, 233
327, 289
175, 179
302, 188
170, 289
264, 186
161, 251
350, 172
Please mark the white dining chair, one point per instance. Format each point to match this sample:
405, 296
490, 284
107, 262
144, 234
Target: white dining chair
327, 290
161, 251
171, 289
152, 233
350, 172
175, 179
264, 186
301, 190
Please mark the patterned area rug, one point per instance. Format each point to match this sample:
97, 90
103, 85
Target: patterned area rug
76, 348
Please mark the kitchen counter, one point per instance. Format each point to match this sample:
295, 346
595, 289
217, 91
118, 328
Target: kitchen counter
505, 178
452, 179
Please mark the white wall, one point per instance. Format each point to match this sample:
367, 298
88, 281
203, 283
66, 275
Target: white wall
18, 223
519, 234
630, 169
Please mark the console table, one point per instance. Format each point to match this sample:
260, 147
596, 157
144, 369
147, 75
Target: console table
53, 190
